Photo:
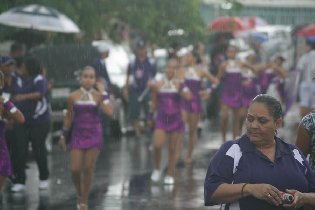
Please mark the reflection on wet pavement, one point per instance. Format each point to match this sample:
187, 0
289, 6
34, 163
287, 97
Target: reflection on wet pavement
122, 181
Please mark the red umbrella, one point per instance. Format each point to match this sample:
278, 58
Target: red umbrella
252, 22
227, 24
307, 31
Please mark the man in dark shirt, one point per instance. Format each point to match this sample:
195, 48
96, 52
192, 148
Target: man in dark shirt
140, 71
100, 67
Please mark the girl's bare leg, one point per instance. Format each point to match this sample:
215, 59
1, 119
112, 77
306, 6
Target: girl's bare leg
88, 174
159, 140
76, 158
224, 120
193, 126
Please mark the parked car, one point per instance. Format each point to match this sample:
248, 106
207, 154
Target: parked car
63, 63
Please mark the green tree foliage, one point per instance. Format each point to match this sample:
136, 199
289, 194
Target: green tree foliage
152, 19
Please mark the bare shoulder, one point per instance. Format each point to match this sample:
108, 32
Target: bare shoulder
158, 84
74, 95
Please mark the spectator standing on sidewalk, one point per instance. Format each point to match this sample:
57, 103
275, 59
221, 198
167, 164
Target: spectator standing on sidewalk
305, 139
17, 52
140, 71
103, 80
306, 67
32, 99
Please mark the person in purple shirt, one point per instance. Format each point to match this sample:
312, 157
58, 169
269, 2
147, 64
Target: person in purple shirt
86, 138
32, 99
230, 75
168, 123
8, 110
255, 170
193, 75
140, 71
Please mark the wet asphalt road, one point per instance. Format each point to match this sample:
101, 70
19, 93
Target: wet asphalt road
122, 177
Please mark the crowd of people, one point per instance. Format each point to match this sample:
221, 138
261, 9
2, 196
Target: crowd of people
173, 105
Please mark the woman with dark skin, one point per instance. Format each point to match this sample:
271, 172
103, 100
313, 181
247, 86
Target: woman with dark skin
255, 170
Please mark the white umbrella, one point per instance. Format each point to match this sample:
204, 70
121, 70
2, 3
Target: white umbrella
38, 17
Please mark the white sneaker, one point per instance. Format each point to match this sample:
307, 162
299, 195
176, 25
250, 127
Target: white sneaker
169, 179
18, 188
156, 175
43, 184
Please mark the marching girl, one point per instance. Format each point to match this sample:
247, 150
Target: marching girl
166, 100
86, 139
193, 75
231, 94
249, 87
7, 109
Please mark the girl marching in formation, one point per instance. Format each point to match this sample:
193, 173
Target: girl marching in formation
86, 139
7, 110
193, 74
231, 95
166, 100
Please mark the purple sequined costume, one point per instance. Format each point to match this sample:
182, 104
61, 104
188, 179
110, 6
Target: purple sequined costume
5, 163
193, 82
232, 89
249, 87
169, 116
265, 78
86, 130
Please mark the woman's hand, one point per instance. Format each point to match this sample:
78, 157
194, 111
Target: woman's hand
126, 93
204, 94
62, 143
298, 199
265, 192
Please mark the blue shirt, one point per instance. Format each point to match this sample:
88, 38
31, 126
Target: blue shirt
142, 72
8, 90
34, 111
240, 162
101, 70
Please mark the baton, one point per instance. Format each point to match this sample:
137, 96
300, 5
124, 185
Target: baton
143, 94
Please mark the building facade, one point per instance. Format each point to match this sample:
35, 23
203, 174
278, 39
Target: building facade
280, 12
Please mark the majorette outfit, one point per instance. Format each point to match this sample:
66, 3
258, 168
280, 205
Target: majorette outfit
231, 94
169, 116
249, 87
265, 78
5, 163
193, 82
86, 130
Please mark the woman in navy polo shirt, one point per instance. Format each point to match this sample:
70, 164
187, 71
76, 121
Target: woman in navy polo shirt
253, 171
31, 97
